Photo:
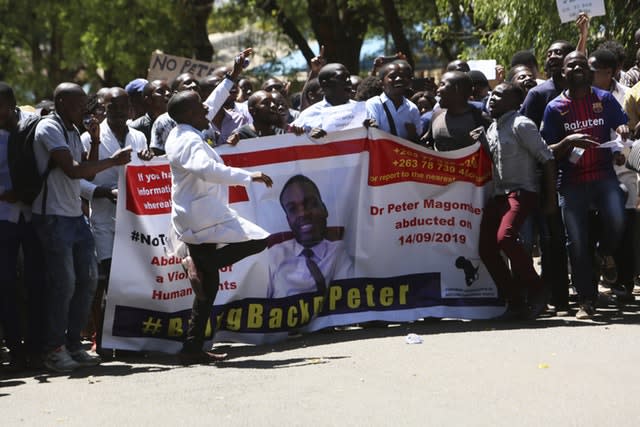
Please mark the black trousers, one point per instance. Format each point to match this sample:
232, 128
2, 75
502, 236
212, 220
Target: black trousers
208, 260
555, 273
626, 254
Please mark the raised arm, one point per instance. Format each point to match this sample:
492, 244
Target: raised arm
582, 22
316, 63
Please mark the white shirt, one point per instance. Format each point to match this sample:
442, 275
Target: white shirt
626, 176
103, 211
9, 211
243, 108
407, 113
311, 117
200, 210
288, 271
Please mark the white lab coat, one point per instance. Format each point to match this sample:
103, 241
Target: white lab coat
200, 211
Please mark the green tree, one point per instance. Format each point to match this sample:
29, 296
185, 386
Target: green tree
498, 28
44, 42
339, 25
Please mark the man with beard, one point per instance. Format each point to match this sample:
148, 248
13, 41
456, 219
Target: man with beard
575, 123
392, 111
309, 261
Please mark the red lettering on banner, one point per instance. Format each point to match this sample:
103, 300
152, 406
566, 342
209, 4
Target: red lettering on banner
148, 189
390, 162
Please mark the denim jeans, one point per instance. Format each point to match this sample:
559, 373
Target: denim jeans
576, 200
13, 237
72, 277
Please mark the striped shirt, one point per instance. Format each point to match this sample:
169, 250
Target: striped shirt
597, 114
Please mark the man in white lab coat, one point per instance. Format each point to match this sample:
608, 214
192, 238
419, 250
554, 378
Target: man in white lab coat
201, 216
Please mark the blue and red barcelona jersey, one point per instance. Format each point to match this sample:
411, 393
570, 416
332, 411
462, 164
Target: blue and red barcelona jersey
597, 114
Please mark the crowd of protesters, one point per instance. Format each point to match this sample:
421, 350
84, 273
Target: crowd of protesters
554, 189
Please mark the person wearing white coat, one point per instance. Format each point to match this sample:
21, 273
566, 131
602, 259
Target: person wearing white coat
200, 214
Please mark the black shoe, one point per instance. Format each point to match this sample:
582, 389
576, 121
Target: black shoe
200, 357
537, 303
535, 309
622, 294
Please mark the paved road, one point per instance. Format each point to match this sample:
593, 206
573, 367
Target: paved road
551, 372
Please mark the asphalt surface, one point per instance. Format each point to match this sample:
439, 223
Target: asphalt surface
556, 371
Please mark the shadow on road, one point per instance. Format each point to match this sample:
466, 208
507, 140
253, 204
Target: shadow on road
124, 363
295, 362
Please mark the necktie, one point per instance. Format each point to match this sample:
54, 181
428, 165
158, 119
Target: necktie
315, 270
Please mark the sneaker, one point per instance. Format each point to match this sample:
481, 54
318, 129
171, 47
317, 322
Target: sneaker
586, 311
608, 270
85, 358
59, 360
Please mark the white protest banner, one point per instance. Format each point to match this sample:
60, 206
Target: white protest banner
486, 66
341, 117
570, 9
398, 226
169, 67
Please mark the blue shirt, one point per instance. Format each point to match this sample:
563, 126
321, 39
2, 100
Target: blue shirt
537, 100
597, 114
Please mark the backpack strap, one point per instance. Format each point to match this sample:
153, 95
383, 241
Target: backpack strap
392, 124
427, 138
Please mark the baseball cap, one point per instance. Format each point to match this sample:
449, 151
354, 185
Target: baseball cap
135, 86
